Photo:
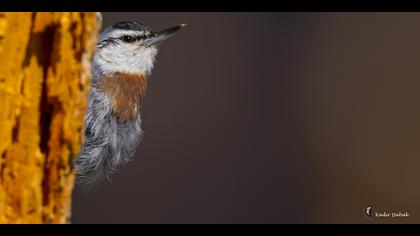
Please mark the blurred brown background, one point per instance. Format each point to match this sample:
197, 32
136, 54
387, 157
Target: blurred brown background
273, 118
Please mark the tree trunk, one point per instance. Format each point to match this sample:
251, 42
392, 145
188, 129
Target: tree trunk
44, 80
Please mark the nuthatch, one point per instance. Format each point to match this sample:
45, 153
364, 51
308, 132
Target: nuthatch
124, 57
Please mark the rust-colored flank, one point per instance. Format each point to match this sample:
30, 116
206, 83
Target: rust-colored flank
125, 91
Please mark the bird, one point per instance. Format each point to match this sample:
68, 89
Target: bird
122, 63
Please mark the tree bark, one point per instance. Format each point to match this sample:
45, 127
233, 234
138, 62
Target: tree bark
44, 80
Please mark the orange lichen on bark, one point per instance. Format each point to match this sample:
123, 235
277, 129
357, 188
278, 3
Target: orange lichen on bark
44, 68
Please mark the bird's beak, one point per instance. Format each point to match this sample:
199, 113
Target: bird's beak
163, 35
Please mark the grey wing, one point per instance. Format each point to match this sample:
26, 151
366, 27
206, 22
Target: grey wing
94, 152
108, 143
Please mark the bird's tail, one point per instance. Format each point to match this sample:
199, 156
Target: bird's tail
99, 159
90, 164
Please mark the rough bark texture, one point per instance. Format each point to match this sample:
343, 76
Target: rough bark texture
44, 80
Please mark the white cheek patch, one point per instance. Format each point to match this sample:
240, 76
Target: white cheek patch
125, 58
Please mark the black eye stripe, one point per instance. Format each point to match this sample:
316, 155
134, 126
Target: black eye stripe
106, 42
131, 39
128, 39
143, 37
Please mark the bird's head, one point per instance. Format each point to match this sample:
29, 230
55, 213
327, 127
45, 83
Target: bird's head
129, 47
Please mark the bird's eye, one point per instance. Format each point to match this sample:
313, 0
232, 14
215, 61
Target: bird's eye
128, 39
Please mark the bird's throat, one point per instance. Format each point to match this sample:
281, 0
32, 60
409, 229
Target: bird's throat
125, 91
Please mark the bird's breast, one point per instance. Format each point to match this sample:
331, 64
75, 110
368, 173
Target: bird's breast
125, 91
